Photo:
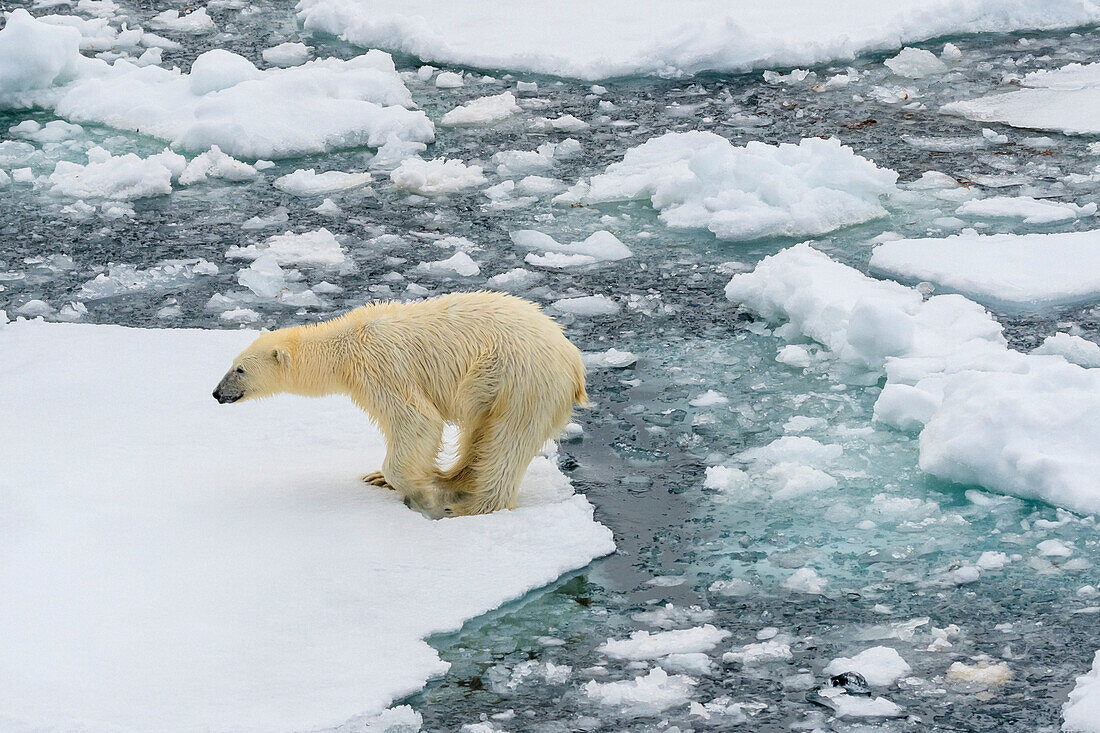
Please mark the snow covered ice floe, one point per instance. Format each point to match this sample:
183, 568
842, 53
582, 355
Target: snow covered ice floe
117, 177
319, 248
224, 100
1019, 271
701, 180
309, 182
1066, 100
436, 177
1026, 208
1022, 424
620, 38
482, 111
1081, 713
171, 564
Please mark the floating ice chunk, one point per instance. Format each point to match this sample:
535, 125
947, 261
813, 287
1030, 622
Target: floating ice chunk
984, 673
700, 180
586, 305
434, 177
857, 706
992, 560
610, 359
34, 55
1018, 270
1073, 349
128, 279
1031, 210
240, 315
794, 355
710, 398
646, 695
319, 247
263, 277
516, 279
559, 260
1054, 548
602, 246
216, 164
646, 645
792, 449
1081, 713
790, 480
26, 175
117, 177
286, 54
194, 22
805, 580
539, 185
482, 111
769, 650
696, 663
915, 63
724, 478
459, 264
309, 182
52, 132
801, 423
879, 665
328, 207
565, 123
35, 308
449, 80
275, 218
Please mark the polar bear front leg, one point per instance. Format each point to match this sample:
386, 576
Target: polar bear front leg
413, 439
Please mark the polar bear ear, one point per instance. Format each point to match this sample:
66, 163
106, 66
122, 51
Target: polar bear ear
281, 356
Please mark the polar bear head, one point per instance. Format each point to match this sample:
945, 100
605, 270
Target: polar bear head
260, 370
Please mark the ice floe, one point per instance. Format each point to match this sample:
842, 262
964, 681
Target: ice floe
224, 557
1081, 713
1066, 100
434, 177
619, 38
223, 101
701, 180
1021, 424
1020, 271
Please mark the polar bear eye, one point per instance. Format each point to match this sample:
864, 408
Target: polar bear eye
239, 370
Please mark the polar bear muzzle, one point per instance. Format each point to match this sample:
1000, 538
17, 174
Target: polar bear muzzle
231, 388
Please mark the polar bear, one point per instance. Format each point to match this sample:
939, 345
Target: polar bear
491, 363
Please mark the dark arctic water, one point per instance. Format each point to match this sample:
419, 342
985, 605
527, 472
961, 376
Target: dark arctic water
886, 538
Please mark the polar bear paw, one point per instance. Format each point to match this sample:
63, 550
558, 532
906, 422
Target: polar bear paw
375, 478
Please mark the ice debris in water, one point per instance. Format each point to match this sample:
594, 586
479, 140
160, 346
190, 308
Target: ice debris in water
610, 359
286, 54
701, 180
459, 264
1073, 349
915, 63
125, 279
1027, 208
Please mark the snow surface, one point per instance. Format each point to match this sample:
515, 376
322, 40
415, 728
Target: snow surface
1022, 424
1017, 270
622, 37
701, 180
1081, 713
1066, 100
225, 100
172, 564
